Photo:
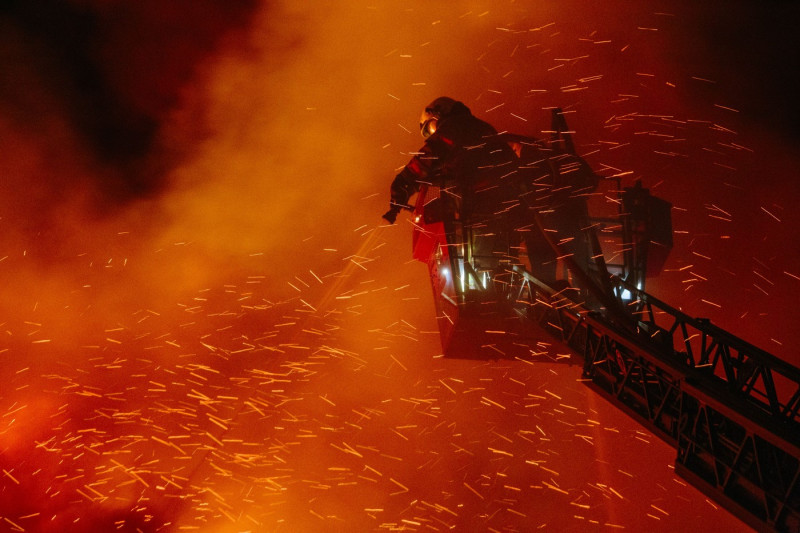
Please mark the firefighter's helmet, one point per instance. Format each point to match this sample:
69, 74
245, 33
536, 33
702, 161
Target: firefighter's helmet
437, 110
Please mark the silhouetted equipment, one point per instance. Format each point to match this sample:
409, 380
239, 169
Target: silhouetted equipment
647, 225
730, 409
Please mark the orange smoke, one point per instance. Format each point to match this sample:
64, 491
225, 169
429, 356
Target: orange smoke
207, 326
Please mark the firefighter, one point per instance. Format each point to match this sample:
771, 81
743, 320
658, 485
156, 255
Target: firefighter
465, 158
462, 154
496, 187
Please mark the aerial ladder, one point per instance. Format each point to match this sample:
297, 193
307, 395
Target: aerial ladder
730, 409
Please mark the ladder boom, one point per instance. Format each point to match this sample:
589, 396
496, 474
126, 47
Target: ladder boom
729, 408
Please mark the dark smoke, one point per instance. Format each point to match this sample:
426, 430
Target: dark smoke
113, 72
750, 48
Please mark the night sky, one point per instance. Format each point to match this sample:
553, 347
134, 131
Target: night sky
206, 325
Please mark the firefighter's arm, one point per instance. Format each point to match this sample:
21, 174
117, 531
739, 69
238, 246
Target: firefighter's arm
403, 186
406, 183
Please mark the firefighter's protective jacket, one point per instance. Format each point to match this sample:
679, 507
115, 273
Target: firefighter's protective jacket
464, 156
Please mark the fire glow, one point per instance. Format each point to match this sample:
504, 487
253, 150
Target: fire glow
214, 334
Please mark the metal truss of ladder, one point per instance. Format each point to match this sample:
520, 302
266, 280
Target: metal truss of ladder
729, 408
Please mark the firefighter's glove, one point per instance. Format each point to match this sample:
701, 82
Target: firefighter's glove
391, 214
